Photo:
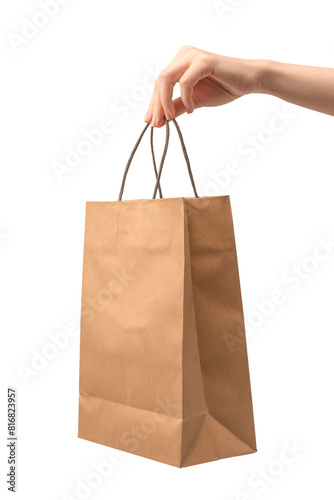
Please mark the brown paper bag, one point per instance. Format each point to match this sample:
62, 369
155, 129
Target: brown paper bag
163, 357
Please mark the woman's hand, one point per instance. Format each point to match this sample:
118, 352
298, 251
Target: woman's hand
208, 79
205, 79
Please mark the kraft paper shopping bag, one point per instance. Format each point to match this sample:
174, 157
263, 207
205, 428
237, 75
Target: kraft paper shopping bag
163, 357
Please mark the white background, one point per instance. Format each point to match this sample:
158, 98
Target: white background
73, 73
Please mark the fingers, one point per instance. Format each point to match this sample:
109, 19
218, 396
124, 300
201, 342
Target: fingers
187, 81
187, 68
155, 113
157, 109
161, 104
180, 107
162, 100
165, 92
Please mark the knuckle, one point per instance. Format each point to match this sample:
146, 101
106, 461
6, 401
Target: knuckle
186, 48
184, 82
163, 75
203, 59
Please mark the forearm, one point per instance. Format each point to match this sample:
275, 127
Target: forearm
307, 86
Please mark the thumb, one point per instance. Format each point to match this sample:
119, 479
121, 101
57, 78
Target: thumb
180, 108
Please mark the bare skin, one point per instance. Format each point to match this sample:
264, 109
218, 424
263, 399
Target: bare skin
208, 79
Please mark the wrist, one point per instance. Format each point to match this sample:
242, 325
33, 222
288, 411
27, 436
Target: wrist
255, 75
264, 72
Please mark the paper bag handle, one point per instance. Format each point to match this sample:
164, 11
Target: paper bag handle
153, 159
158, 174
